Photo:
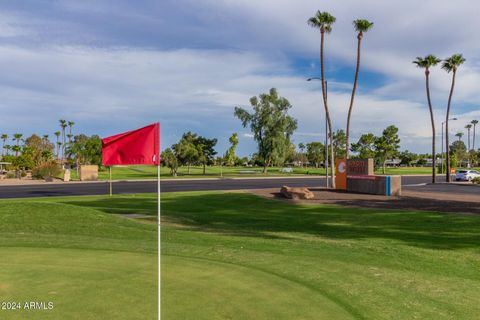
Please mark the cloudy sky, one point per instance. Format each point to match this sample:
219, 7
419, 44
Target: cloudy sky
114, 65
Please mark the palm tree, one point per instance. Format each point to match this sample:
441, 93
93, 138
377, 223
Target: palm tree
57, 134
474, 122
70, 135
4, 138
59, 147
8, 148
459, 135
323, 21
426, 63
468, 127
450, 64
17, 149
17, 137
301, 146
70, 125
361, 26
63, 125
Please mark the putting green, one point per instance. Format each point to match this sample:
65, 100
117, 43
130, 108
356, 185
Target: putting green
86, 263
81, 284
195, 288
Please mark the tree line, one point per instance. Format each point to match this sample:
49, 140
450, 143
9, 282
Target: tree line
45, 157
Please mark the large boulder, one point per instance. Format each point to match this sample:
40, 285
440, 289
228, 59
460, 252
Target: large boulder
296, 193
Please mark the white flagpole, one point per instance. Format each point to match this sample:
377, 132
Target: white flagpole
110, 180
159, 243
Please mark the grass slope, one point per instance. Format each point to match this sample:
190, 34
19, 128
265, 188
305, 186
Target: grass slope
90, 264
237, 256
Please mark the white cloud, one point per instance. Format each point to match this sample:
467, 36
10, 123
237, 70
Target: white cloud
215, 55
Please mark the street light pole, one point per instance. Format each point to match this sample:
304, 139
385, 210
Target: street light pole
326, 139
326, 135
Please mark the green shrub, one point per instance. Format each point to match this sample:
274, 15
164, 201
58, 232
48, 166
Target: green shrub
46, 170
10, 175
476, 180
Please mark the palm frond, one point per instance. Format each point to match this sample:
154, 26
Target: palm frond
452, 63
362, 25
322, 20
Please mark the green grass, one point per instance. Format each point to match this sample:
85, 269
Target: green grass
236, 256
148, 172
89, 263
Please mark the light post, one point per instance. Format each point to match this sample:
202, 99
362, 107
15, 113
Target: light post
443, 143
326, 133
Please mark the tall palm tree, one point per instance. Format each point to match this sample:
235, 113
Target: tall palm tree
468, 127
450, 64
459, 135
70, 125
426, 63
324, 21
59, 146
63, 125
4, 138
17, 137
57, 134
301, 146
361, 26
474, 122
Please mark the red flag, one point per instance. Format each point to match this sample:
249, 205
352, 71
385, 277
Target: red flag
141, 146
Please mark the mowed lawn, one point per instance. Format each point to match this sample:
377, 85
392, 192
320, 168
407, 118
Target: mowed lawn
89, 263
150, 172
236, 256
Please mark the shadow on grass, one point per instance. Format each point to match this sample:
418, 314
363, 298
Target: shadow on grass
243, 214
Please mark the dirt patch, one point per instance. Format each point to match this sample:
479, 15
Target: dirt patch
410, 200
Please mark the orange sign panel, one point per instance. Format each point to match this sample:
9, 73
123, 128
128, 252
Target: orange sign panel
341, 174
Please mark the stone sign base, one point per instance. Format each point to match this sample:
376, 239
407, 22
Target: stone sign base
381, 185
88, 173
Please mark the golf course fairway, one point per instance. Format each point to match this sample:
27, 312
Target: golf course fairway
234, 255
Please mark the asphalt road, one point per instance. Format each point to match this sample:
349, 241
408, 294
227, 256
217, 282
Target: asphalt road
418, 183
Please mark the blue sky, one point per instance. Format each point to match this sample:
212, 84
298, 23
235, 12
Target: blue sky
111, 66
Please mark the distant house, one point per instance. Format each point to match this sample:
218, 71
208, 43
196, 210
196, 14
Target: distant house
429, 162
393, 162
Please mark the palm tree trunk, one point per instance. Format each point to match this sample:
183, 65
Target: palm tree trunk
473, 142
447, 147
359, 37
63, 144
469, 139
327, 113
434, 158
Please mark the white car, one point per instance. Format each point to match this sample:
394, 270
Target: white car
466, 175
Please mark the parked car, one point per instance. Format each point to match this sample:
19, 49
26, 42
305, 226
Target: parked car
466, 175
